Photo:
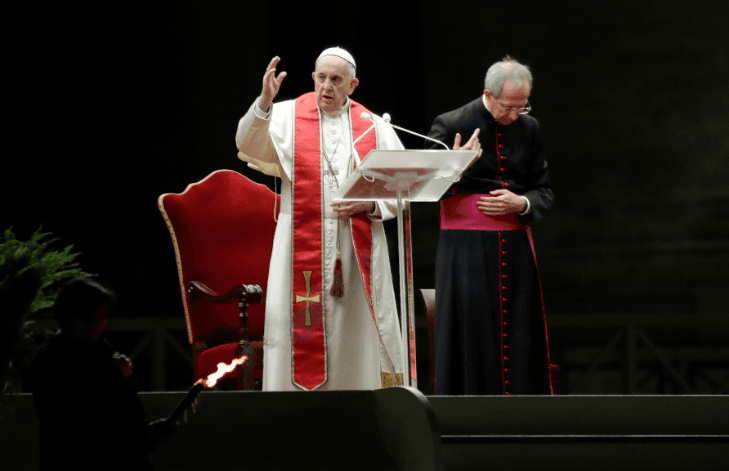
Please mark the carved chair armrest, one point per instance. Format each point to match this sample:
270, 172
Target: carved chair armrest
244, 295
249, 294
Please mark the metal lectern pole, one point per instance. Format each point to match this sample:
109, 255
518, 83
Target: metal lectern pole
407, 323
403, 289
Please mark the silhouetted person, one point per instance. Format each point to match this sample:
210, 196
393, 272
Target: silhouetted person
89, 412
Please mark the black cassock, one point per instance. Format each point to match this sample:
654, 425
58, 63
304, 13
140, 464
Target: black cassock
491, 332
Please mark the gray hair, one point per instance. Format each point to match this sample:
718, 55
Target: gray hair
506, 69
351, 68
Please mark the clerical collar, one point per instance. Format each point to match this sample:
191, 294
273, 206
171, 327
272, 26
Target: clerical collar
334, 114
483, 98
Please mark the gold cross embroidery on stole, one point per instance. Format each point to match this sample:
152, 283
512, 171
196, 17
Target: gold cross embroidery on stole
308, 298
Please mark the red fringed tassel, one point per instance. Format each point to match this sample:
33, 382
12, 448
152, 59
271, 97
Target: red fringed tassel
338, 284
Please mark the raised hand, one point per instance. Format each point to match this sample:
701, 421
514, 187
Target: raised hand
472, 144
271, 84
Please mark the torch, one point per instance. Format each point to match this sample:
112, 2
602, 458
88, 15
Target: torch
206, 383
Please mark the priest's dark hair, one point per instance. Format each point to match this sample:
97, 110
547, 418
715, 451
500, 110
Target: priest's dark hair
80, 298
507, 69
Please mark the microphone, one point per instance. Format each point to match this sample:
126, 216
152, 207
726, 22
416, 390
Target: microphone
386, 117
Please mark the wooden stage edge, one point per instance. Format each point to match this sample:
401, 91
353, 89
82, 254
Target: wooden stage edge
401, 429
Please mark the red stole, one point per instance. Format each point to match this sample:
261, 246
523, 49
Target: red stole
309, 356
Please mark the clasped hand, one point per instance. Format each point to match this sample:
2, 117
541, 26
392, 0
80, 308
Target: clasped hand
502, 202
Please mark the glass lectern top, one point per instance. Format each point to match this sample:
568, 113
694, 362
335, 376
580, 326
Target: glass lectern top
420, 175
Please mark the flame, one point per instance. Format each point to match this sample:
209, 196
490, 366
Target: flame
213, 378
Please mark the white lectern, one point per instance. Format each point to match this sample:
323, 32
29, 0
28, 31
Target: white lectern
403, 176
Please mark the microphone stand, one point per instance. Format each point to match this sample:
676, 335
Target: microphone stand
386, 118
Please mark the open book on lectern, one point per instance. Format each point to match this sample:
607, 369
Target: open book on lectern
418, 175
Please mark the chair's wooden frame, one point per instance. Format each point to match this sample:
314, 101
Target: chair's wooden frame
245, 295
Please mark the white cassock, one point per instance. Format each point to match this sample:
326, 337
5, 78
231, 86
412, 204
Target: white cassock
356, 358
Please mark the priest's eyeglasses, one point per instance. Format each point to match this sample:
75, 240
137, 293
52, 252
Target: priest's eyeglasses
521, 109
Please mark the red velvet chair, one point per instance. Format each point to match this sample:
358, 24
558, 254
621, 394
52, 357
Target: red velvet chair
222, 231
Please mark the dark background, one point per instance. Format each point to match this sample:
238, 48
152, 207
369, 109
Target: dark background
121, 103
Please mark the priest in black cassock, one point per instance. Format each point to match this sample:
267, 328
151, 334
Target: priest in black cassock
491, 330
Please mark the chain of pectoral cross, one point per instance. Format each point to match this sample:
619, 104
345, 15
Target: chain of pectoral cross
331, 172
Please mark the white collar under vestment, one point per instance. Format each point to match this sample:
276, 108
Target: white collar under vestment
344, 108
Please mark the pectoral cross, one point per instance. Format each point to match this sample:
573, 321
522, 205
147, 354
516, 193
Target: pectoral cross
308, 298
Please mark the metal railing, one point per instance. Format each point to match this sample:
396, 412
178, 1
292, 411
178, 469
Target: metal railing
644, 364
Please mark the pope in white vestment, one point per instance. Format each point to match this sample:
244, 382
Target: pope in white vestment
361, 352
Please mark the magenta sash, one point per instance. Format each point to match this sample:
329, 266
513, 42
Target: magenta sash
461, 213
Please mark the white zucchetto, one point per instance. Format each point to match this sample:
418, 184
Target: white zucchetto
339, 52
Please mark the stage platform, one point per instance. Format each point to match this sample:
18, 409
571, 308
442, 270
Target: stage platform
400, 429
